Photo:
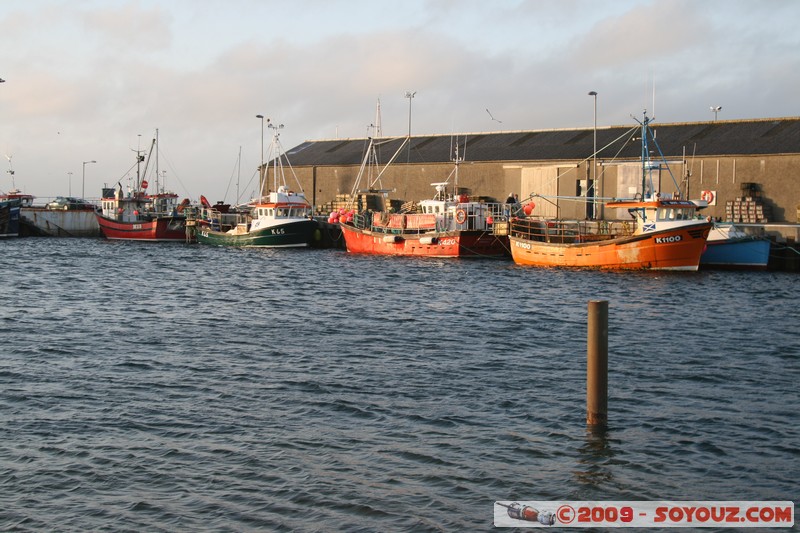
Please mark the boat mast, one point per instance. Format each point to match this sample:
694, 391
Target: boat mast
275, 152
139, 159
648, 165
456, 161
645, 155
156, 147
378, 130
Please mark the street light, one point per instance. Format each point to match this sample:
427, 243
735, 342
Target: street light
410, 96
83, 179
716, 109
593, 94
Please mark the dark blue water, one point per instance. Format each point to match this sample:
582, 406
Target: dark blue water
187, 388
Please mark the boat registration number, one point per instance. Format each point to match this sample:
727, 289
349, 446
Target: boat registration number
279, 231
137, 226
525, 245
447, 242
666, 240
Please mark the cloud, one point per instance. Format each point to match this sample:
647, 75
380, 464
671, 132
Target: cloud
129, 28
641, 36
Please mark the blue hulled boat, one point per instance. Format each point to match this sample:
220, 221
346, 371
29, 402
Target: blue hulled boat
731, 248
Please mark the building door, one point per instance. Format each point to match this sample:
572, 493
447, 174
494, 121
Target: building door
542, 181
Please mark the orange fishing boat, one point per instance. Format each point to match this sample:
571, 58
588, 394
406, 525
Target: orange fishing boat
660, 239
664, 234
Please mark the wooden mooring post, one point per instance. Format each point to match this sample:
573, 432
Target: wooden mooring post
597, 364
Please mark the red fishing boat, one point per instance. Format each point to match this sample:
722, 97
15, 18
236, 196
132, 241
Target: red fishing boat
449, 225
141, 217
137, 215
446, 227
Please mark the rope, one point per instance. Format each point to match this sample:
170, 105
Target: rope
630, 133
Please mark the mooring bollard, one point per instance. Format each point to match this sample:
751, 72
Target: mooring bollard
597, 364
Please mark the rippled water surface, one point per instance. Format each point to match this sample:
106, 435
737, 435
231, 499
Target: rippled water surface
168, 387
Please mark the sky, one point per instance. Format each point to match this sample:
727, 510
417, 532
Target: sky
93, 80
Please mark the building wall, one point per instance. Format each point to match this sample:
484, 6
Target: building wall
777, 178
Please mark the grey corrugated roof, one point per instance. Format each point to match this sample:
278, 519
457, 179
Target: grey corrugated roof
722, 138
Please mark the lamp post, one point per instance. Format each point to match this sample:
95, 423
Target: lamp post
716, 109
70, 183
410, 96
593, 94
83, 179
261, 168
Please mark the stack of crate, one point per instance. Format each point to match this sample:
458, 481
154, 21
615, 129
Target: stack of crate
408, 207
394, 206
749, 208
363, 202
339, 202
371, 202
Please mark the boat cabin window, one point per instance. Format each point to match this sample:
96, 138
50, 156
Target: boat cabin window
674, 214
639, 214
434, 209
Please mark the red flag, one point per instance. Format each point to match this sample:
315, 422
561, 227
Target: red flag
204, 201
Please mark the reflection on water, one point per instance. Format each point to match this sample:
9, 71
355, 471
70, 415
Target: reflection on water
595, 458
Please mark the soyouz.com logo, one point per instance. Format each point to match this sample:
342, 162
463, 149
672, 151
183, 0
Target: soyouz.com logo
644, 514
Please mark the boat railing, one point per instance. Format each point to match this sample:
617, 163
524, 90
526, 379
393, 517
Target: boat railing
480, 217
464, 217
221, 221
568, 231
394, 223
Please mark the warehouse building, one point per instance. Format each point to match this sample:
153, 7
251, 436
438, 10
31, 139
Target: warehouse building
747, 170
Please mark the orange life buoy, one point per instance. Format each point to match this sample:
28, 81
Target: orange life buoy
707, 196
461, 216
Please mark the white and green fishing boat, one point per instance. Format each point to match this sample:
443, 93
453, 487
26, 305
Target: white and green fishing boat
282, 218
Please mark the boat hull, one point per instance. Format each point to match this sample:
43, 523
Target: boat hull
467, 243
9, 218
295, 234
157, 229
66, 223
674, 249
744, 254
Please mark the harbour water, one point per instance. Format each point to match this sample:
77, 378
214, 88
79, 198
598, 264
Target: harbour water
170, 387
